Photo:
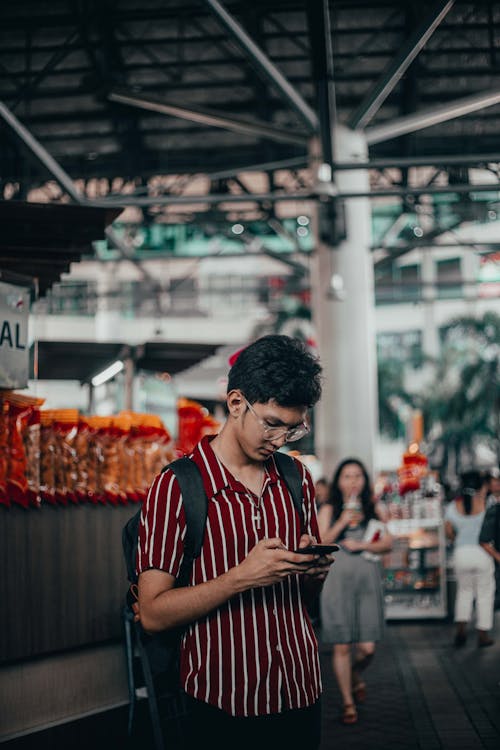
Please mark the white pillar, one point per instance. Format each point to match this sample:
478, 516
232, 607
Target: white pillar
346, 420
430, 334
107, 319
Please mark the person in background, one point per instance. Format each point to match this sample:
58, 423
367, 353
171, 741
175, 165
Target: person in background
249, 659
474, 567
489, 536
322, 491
493, 495
351, 603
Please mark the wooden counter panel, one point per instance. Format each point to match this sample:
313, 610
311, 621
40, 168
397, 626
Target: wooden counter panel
63, 577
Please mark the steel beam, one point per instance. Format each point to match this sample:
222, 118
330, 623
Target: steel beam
428, 190
41, 154
209, 198
265, 66
318, 16
295, 162
59, 174
424, 119
397, 67
420, 161
418, 245
312, 195
207, 117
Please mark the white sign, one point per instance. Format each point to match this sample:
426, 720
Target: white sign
14, 351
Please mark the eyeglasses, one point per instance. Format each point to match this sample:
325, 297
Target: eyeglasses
275, 433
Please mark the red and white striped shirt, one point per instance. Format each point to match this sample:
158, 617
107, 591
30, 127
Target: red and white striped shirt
256, 654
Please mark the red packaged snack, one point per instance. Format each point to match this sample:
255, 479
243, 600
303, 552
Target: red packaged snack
194, 423
47, 457
31, 439
19, 476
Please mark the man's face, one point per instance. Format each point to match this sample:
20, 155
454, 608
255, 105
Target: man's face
495, 487
266, 427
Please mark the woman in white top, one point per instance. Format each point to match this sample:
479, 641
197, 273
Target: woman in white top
474, 568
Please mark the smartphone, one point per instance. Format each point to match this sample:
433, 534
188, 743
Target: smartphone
318, 549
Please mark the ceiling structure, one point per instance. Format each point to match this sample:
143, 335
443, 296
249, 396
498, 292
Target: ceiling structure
200, 110
41, 240
81, 360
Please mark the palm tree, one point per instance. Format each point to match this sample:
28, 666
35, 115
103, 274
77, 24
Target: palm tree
463, 408
394, 402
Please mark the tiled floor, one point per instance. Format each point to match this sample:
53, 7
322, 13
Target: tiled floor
422, 695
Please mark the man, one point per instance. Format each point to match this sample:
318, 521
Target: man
249, 656
493, 487
489, 537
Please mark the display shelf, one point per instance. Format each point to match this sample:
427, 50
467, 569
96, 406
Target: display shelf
413, 590
388, 569
415, 569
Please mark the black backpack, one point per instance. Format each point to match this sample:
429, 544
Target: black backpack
159, 652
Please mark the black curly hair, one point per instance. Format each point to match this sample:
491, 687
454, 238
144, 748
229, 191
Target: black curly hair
277, 367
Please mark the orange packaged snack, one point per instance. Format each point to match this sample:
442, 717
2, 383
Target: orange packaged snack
47, 457
96, 450
81, 447
65, 428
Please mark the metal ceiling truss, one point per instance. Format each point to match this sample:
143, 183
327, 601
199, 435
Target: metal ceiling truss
108, 36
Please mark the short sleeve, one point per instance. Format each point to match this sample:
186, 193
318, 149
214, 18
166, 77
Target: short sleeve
163, 527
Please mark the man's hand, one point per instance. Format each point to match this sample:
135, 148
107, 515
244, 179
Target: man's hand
315, 567
270, 562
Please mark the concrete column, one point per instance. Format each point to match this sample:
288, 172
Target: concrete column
346, 421
107, 319
469, 264
128, 396
430, 334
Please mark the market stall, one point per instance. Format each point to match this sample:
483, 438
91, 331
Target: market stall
415, 582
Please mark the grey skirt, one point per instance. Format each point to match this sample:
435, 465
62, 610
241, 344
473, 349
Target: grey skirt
352, 600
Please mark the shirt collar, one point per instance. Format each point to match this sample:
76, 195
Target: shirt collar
216, 477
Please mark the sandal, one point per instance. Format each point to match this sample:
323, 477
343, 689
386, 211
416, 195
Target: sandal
349, 714
359, 692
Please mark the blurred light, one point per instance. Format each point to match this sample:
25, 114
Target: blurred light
303, 221
237, 229
108, 373
324, 173
302, 231
337, 290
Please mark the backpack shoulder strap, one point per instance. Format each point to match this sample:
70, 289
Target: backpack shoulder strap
195, 508
290, 473
130, 533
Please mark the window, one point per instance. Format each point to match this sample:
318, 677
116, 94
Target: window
449, 278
